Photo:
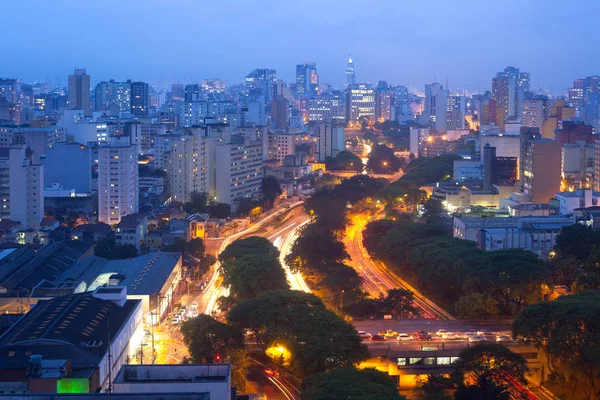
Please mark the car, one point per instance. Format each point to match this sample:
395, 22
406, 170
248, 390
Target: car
404, 337
481, 332
378, 338
422, 335
476, 338
441, 333
388, 333
468, 335
450, 336
503, 338
195, 305
364, 335
176, 320
490, 337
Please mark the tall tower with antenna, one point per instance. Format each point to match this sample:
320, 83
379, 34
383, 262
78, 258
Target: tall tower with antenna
350, 77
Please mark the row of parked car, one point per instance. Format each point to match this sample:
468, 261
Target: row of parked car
478, 336
184, 313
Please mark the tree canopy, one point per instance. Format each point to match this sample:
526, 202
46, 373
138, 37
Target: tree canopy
345, 160
317, 339
248, 246
382, 160
107, 248
350, 383
270, 188
195, 247
568, 331
252, 275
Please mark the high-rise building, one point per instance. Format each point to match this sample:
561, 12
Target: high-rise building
76, 174
280, 112
189, 164
541, 169
455, 112
139, 98
534, 112
350, 77
79, 91
331, 139
307, 79
117, 180
263, 80
360, 102
193, 92
21, 187
417, 139
584, 96
238, 170
177, 92
114, 94
384, 99
436, 105
320, 108
508, 89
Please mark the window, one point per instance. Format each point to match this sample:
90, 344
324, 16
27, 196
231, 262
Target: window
402, 361
443, 360
453, 359
430, 361
412, 361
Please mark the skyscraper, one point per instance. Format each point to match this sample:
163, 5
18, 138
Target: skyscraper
360, 102
117, 180
585, 97
79, 91
436, 104
350, 77
455, 112
508, 89
139, 98
307, 79
263, 79
383, 102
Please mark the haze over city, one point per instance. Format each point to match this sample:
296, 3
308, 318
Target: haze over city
408, 43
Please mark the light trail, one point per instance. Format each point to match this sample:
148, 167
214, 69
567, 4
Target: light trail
296, 280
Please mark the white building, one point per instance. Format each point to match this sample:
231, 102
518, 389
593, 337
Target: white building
21, 188
467, 170
582, 198
117, 180
436, 105
238, 171
577, 160
281, 145
455, 112
533, 113
214, 379
418, 136
360, 102
331, 139
189, 164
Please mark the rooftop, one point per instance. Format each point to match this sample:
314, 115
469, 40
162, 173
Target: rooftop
73, 326
142, 275
192, 373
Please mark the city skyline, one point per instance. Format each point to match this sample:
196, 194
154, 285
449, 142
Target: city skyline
190, 42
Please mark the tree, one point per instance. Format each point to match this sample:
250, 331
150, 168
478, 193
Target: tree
317, 339
357, 188
195, 247
350, 383
198, 203
270, 188
565, 269
219, 210
400, 304
391, 197
434, 387
576, 240
432, 211
210, 341
249, 246
488, 367
474, 305
314, 251
383, 161
587, 281
107, 248
568, 331
251, 275
345, 160
340, 277
328, 213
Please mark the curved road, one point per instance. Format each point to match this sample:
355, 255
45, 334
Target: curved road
377, 278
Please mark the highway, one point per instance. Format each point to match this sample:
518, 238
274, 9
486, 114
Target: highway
377, 278
281, 228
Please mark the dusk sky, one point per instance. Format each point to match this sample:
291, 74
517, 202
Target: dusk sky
403, 42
